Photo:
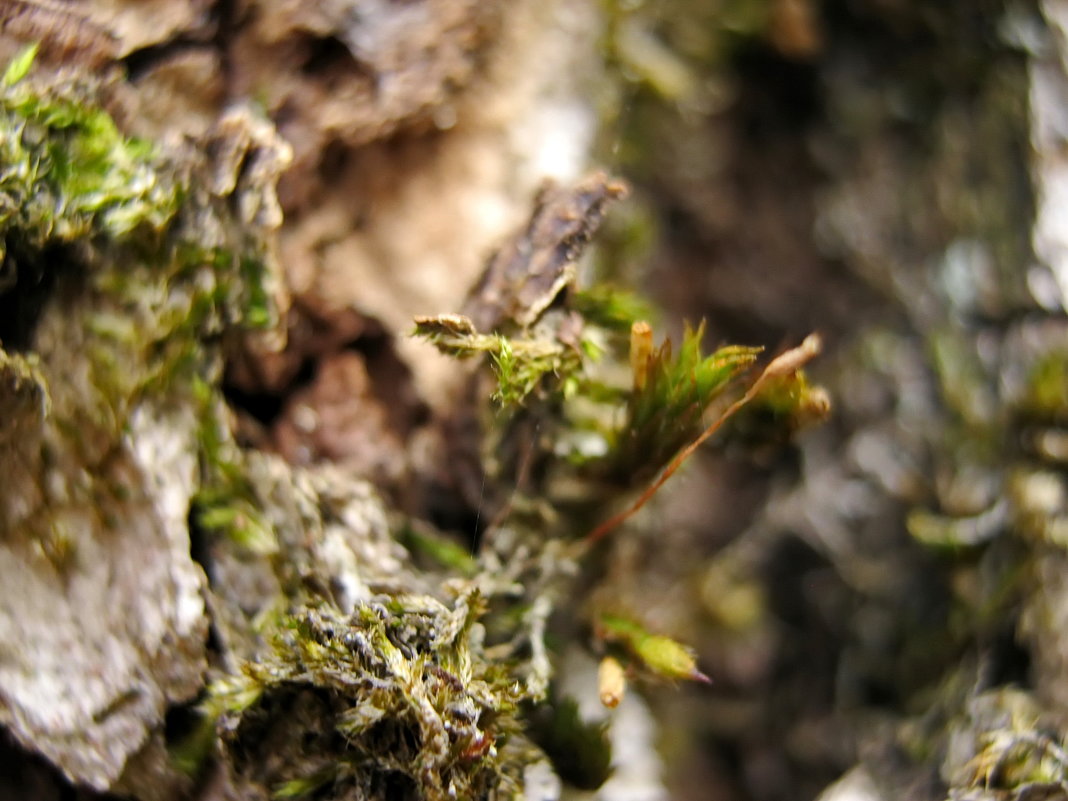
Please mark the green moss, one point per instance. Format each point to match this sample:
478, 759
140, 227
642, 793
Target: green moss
1046, 395
444, 552
611, 307
407, 688
520, 363
134, 270
660, 655
20, 66
671, 393
403, 695
68, 171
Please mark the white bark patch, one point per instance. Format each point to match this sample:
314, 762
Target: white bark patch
91, 654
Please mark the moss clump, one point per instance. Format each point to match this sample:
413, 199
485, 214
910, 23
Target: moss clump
68, 173
398, 694
1003, 747
620, 411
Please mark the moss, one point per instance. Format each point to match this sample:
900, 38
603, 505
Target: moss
404, 686
611, 307
666, 405
158, 265
442, 551
404, 695
1046, 393
644, 406
225, 503
662, 656
519, 362
1002, 746
69, 174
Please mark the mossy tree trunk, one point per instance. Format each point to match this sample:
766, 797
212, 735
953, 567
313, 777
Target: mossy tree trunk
210, 408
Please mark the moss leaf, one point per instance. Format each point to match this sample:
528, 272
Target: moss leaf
20, 65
